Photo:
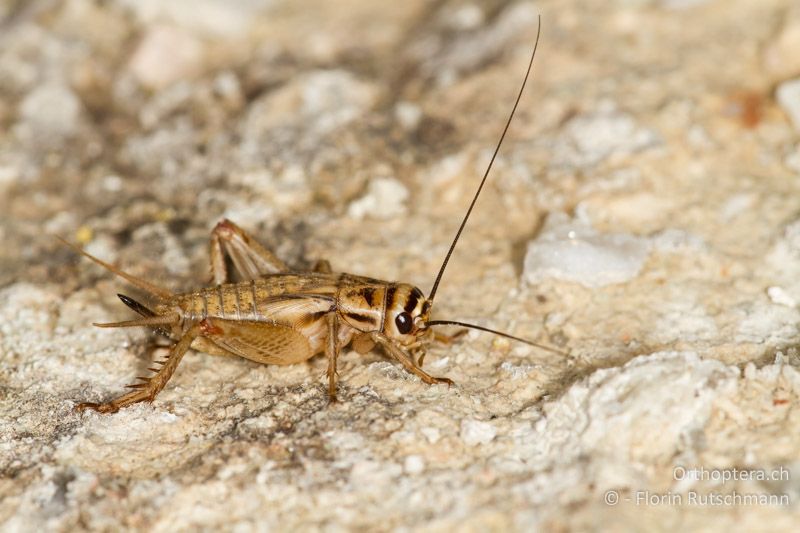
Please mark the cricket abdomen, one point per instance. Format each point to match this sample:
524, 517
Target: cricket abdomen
278, 319
231, 301
278, 298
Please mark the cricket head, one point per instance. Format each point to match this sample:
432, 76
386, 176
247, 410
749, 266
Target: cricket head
407, 312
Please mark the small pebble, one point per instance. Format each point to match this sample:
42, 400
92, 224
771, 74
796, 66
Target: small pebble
414, 464
779, 296
51, 112
164, 56
474, 432
788, 96
385, 198
572, 250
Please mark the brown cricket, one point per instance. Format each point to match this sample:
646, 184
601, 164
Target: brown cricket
279, 316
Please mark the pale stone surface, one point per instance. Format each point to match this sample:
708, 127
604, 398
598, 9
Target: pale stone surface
592, 137
48, 115
213, 17
572, 250
788, 96
385, 198
474, 432
166, 55
781, 59
641, 218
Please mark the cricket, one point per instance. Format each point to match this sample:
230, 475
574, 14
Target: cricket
279, 316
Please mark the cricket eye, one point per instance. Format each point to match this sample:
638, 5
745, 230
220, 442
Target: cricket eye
403, 322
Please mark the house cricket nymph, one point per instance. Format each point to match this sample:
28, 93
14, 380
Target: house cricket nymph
280, 316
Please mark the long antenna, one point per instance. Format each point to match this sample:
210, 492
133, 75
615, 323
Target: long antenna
500, 333
486, 174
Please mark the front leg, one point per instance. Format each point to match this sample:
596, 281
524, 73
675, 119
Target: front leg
407, 361
332, 352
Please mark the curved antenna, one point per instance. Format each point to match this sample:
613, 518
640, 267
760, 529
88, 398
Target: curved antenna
488, 168
488, 330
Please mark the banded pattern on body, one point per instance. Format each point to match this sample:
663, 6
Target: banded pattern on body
360, 301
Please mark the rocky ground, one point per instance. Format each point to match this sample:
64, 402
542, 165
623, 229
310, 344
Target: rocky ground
643, 215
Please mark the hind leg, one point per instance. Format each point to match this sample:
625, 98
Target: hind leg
250, 259
150, 387
323, 266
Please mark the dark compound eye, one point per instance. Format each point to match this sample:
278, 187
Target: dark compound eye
403, 322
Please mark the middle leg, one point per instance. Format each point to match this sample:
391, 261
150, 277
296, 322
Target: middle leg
332, 352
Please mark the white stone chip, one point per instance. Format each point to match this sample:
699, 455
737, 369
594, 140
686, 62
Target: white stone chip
571, 250
414, 464
779, 296
164, 56
50, 112
592, 137
318, 102
385, 198
431, 434
474, 432
788, 96
408, 115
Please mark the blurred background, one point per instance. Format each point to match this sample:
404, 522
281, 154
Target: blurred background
161, 117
